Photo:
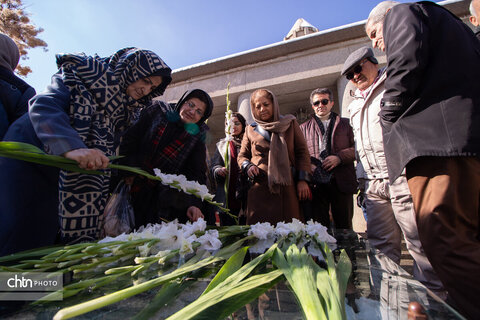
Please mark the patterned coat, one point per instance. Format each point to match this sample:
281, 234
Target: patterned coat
29, 214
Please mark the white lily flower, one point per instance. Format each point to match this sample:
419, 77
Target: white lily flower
166, 178
314, 250
144, 250
319, 232
262, 230
262, 245
184, 184
297, 227
282, 230
120, 237
185, 247
209, 241
190, 228
170, 237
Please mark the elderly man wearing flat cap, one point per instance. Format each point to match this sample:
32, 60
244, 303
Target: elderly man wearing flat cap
388, 205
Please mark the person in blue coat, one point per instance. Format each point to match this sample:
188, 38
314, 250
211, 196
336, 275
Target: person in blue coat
14, 92
81, 116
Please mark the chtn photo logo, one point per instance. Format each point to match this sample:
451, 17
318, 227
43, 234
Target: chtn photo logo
23, 282
30, 286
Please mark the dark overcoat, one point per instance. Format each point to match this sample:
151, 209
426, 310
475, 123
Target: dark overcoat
431, 105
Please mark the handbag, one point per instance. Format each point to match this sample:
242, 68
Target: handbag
119, 215
320, 175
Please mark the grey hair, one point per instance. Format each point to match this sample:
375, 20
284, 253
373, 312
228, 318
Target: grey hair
379, 12
472, 10
321, 91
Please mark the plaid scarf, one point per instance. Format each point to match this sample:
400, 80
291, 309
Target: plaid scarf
326, 134
99, 111
171, 143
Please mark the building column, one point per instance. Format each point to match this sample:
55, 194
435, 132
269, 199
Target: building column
243, 107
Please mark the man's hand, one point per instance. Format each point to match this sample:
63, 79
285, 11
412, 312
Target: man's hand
253, 171
193, 213
89, 159
303, 191
331, 162
222, 172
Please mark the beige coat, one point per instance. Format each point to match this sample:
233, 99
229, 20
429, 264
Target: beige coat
365, 121
262, 205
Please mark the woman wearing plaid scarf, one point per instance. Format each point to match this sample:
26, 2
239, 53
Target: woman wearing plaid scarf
170, 138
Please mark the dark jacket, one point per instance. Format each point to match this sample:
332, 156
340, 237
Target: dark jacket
238, 183
14, 96
343, 146
29, 191
146, 148
431, 105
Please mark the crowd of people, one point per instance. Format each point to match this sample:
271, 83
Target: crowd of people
410, 146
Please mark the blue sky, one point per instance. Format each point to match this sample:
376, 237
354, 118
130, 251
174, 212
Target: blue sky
182, 32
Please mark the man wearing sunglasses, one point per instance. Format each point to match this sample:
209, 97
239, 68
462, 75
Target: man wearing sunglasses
332, 152
388, 205
430, 115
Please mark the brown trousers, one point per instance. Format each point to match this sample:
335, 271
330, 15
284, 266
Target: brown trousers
446, 196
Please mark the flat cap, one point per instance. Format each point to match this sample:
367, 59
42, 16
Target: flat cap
356, 56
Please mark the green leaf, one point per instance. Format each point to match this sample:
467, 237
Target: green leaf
168, 293
300, 273
195, 263
230, 267
226, 306
231, 287
262, 282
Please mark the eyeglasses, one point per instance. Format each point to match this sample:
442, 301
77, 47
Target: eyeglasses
191, 105
357, 69
323, 102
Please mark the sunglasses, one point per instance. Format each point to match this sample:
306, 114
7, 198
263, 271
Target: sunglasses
357, 69
323, 101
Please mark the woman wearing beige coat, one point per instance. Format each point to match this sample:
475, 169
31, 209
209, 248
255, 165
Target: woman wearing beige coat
274, 155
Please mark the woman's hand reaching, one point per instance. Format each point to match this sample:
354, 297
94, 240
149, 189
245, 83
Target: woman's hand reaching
193, 213
89, 159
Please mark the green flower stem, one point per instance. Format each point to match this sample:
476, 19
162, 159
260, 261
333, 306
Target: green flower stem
98, 262
30, 153
193, 264
28, 254
69, 263
74, 288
